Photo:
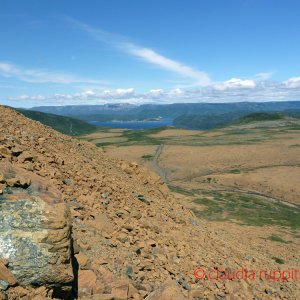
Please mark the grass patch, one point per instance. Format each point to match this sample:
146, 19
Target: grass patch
247, 210
179, 190
148, 157
213, 210
140, 137
276, 238
235, 171
278, 260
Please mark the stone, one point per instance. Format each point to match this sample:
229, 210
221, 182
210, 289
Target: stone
39, 297
25, 156
4, 285
184, 284
167, 291
82, 260
18, 182
129, 272
102, 297
68, 181
101, 223
4, 152
99, 287
143, 199
6, 275
106, 275
16, 151
120, 290
196, 294
20, 291
86, 279
132, 291
35, 235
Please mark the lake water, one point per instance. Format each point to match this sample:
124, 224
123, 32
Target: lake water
135, 124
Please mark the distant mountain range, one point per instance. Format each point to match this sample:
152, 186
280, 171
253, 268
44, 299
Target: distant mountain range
186, 115
167, 110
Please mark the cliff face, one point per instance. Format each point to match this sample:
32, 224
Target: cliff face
74, 222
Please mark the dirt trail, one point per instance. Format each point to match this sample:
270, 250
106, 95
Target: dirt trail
154, 166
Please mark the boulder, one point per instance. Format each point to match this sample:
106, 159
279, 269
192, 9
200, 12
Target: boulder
34, 233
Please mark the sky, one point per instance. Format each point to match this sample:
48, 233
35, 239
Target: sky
55, 52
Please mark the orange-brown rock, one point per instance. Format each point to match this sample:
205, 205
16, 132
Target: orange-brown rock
86, 282
167, 291
6, 275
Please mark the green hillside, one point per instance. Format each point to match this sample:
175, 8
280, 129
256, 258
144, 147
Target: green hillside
261, 116
66, 125
217, 120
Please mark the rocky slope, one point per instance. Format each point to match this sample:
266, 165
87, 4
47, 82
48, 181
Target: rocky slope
129, 238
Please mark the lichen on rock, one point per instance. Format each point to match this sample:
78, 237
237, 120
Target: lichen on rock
35, 238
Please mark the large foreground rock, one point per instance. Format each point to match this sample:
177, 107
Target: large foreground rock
34, 231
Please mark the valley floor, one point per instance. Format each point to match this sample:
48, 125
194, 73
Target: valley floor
241, 181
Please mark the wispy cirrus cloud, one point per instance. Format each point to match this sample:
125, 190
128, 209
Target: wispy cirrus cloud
148, 55
9, 70
264, 75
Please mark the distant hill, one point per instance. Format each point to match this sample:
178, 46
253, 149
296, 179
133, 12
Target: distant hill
208, 121
257, 117
126, 112
66, 125
184, 115
211, 121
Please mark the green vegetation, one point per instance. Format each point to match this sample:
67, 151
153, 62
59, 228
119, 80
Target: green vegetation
247, 210
235, 134
260, 116
179, 190
204, 122
219, 120
278, 260
235, 171
142, 137
66, 125
148, 157
276, 238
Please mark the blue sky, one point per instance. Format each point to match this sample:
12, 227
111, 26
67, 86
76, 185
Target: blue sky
56, 52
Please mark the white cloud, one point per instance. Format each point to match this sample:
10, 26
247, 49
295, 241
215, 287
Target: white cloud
235, 83
155, 93
293, 82
148, 55
176, 92
9, 70
233, 90
116, 94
